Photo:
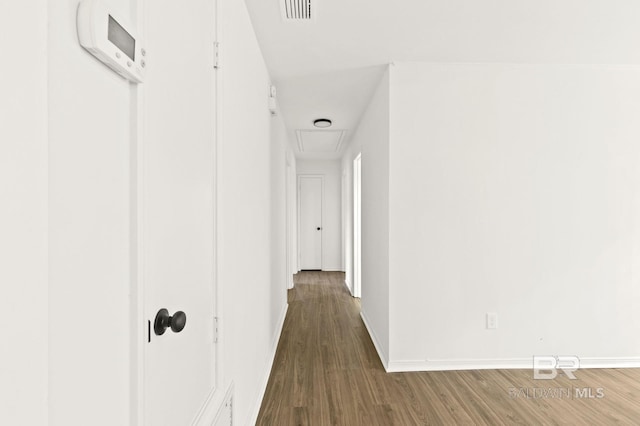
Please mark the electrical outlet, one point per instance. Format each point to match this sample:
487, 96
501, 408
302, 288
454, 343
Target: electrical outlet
492, 320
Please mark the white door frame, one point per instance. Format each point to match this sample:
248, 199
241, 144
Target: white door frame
302, 176
291, 203
139, 328
357, 226
343, 218
289, 221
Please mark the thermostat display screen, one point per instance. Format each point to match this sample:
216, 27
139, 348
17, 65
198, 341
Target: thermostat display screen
122, 39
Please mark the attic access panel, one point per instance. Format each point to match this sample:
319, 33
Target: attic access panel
320, 140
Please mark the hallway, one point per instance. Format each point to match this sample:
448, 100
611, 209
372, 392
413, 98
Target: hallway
327, 372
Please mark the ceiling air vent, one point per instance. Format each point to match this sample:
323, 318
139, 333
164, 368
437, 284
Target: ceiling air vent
297, 10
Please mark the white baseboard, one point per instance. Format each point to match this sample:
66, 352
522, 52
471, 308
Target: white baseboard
376, 342
348, 285
501, 364
613, 362
332, 270
269, 366
459, 364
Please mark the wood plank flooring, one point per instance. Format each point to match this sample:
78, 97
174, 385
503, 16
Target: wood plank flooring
327, 372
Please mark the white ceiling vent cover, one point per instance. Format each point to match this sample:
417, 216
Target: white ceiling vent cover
297, 10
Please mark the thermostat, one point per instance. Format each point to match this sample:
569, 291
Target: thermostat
112, 39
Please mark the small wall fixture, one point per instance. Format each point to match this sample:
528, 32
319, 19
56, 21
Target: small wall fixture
322, 123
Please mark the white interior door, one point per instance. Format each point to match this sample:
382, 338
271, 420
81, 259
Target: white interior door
176, 193
310, 222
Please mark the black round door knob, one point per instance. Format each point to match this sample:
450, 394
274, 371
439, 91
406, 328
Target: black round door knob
164, 320
318, 228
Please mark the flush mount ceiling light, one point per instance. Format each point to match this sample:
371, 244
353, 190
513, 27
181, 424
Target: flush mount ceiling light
322, 123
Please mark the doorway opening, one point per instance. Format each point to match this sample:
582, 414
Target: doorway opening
357, 226
291, 214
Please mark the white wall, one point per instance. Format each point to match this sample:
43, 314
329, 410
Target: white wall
67, 156
372, 140
279, 280
23, 215
89, 142
253, 304
331, 209
513, 189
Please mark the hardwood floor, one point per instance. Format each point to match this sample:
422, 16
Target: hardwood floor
327, 372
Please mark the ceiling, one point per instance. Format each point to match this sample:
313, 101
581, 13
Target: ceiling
329, 66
